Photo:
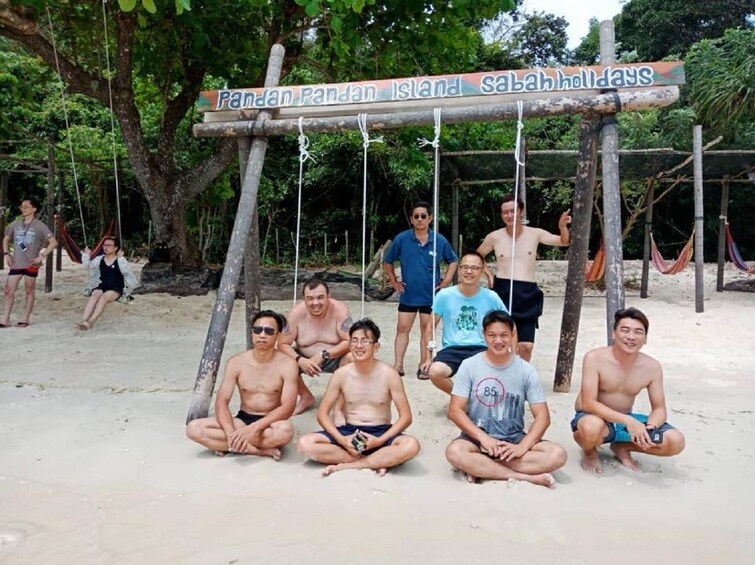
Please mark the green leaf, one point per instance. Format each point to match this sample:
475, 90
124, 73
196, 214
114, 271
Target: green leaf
141, 20
302, 2
127, 5
149, 5
312, 9
336, 23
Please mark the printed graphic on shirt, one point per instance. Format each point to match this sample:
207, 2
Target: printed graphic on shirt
497, 412
467, 319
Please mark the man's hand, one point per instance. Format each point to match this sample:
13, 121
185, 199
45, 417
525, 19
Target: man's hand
444, 283
509, 451
348, 446
373, 442
564, 220
639, 434
398, 286
490, 446
311, 365
239, 440
10, 259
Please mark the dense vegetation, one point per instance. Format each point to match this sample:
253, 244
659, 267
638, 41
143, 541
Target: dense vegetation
182, 191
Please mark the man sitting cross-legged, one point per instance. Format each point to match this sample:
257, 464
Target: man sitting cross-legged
368, 440
267, 383
612, 377
487, 404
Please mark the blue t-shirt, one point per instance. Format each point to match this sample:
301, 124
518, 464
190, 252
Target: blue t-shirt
462, 315
417, 265
496, 395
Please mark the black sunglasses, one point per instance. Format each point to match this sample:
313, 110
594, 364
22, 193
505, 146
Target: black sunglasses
420, 216
267, 329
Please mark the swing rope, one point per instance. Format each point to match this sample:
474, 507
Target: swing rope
519, 163
68, 133
362, 120
112, 125
436, 182
304, 155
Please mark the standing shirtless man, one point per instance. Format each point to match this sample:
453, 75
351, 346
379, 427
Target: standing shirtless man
266, 380
368, 440
319, 325
527, 296
612, 377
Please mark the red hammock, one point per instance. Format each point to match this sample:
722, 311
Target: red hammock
677, 266
595, 269
734, 255
70, 244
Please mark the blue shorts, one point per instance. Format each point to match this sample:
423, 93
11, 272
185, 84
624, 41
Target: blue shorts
453, 355
618, 432
248, 418
426, 309
350, 429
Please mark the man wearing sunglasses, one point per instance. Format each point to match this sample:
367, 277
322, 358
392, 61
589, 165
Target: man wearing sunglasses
515, 246
266, 380
319, 326
368, 439
414, 250
28, 235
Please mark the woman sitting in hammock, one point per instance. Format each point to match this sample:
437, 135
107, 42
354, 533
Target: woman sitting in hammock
110, 276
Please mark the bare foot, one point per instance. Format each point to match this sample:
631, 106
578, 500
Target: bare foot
382, 471
273, 452
544, 479
304, 403
220, 453
83, 325
591, 462
624, 455
330, 469
471, 479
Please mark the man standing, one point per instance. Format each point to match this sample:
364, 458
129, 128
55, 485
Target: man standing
368, 440
415, 249
515, 247
266, 380
319, 325
612, 377
487, 404
28, 236
461, 308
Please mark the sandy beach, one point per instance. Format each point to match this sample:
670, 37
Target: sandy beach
95, 466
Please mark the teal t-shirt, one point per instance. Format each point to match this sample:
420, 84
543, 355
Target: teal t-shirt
462, 315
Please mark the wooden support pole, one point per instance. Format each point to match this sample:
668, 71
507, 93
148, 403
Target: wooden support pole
522, 176
646, 244
50, 219
584, 186
221, 314
252, 288
59, 208
3, 205
611, 102
697, 150
455, 217
722, 220
346, 238
611, 193
377, 259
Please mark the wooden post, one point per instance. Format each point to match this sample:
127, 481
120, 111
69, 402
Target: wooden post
377, 260
346, 237
50, 220
584, 186
646, 245
611, 193
221, 314
455, 242
722, 219
252, 289
697, 149
3, 204
59, 248
325, 245
520, 173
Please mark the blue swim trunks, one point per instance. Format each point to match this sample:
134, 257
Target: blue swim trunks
618, 433
350, 429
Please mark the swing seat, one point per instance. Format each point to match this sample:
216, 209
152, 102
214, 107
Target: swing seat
734, 254
672, 268
73, 250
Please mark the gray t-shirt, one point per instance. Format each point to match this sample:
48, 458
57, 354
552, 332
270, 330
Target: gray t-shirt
496, 395
27, 240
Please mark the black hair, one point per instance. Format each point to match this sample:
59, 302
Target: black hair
421, 204
498, 316
632, 313
280, 319
367, 326
313, 283
31, 200
475, 253
511, 198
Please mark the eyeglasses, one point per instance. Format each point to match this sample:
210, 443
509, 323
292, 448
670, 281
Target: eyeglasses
473, 268
267, 329
363, 341
420, 216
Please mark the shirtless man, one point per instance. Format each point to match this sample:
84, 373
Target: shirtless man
32, 241
487, 404
368, 440
612, 377
266, 380
461, 308
527, 296
319, 325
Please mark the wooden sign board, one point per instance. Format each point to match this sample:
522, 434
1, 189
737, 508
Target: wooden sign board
525, 81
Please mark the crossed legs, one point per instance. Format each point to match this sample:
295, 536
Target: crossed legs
207, 432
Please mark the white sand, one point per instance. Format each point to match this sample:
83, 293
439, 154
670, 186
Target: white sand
95, 468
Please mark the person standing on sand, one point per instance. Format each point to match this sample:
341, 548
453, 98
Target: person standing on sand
612, 377
266, 380
319, 326
519, 270
28, 235
110, 276
487, 404
368, 386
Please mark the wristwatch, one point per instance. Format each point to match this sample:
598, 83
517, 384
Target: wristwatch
325, 355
